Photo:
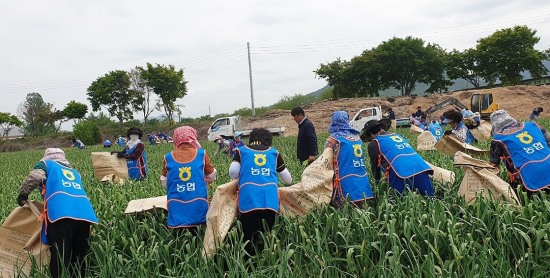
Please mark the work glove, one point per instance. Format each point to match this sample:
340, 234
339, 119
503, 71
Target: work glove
113, 152
120, 154
21, 199
448, 132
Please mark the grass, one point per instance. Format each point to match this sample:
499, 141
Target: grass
394, 237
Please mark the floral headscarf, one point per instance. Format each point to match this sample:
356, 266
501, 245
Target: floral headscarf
339, 125
55, 154
186, 134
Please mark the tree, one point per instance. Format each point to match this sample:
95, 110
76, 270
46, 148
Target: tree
111, 91
464, 65
168, 83
507, 52
75, 111
35, 112
404, 62
334, 74
139, 85
9, 122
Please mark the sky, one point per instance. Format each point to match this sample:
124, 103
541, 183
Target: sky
58, 48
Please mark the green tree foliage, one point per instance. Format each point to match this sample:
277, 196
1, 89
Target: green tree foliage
8, 122
88, 132
404, 62
464, 65
111, 91
75, 111
507, 52
36, 113
168, 83
336, 76
139, 85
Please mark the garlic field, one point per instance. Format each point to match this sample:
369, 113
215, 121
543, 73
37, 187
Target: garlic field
408, 236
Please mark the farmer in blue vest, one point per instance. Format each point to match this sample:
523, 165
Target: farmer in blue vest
459, 129
525, 149
235, 144
107, 143
435, 129
121, 141
67, 211
256, 166
136, 157
77, 143
186, 174
350, 181
392, 154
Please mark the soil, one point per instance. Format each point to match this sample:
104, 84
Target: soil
519, 101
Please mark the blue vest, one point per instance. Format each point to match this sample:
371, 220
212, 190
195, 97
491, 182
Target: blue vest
187, 192
352, 171
402, 158
469, 137
135, 166
436, 130
120, 141
107, 143
65, 196
233, 145
258, 180
530, 155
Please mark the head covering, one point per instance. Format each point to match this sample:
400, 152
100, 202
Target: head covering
218, 139
370, 125
134, 130
238, 134
446, 121
339, 125
186, 134
501, 120
55, 154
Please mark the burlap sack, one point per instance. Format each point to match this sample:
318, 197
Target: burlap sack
482, 132
221, 215
416, 129
314, 190
450, 145
426, 141
147, 204
105, 163
480, 180
442, 175
296, 200
20, 241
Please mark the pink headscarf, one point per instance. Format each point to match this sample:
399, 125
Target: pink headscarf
186, 134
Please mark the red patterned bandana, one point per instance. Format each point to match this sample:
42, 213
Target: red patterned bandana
186, 134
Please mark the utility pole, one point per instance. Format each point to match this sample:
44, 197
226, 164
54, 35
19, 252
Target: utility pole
250, 75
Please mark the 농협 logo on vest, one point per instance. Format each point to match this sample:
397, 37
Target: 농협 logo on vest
185, 173
68, 174
525, 138
357, 150
260, 159
396, 138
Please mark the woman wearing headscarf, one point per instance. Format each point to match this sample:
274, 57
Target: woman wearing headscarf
350, 180
256, 166
224, 146
186, 174
525, 149
67, 211
392, 154
136, 157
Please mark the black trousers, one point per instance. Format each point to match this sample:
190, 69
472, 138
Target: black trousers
253, 223
68, 246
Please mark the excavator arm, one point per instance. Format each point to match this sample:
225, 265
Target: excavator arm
443, 104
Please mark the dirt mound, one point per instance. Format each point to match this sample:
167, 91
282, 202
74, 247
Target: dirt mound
519, 101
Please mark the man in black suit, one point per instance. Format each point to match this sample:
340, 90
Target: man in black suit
306, 148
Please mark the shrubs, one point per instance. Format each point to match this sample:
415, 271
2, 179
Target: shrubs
88, 132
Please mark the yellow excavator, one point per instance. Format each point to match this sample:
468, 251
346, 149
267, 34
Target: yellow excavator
480, 102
